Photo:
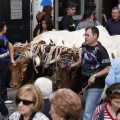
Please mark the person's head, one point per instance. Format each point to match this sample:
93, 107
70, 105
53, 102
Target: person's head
118, 1
46, 23
45, 85
91, 35
113, 96
29, 99
39, 15
71, 9
48, 10
3, 27
88, 14
116, 13
118, 114
65, 104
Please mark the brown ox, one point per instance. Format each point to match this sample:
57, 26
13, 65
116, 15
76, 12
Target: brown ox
70, 78
25, 72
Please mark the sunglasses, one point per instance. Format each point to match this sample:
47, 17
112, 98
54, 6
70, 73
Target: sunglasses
114, 92
25, 102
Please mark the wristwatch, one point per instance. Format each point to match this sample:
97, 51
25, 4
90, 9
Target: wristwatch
95, 75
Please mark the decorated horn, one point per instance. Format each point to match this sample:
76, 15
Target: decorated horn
36, 61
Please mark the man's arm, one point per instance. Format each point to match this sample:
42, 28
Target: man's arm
75, 64
101, 73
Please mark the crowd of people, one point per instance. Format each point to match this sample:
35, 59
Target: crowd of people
39, 102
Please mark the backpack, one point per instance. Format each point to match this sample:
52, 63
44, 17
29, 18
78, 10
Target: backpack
101, 117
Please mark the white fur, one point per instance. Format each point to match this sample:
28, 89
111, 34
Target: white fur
111, 43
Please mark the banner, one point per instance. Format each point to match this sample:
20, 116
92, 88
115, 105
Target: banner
43, 3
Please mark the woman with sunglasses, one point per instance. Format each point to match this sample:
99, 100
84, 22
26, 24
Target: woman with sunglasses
107, 111
29, 101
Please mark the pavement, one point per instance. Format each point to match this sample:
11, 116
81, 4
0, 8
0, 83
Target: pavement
12, 107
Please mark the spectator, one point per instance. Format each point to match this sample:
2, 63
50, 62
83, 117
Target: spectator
118, 114
65, 105
95, 64
3, 109
107, 111
48, 10
38, 18
45, 24
91, 8
30, 103
119, 3
67, 22
45, 86
88, 15
114, 73
113, 24
5, 46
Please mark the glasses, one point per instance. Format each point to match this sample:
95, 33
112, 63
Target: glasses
87, 35
116, 92
25, 102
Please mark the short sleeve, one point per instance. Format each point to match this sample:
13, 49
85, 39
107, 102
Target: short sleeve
3, 43
103, 57
65, 23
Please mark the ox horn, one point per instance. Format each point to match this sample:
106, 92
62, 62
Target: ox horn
36, 61
4, 55
54, 60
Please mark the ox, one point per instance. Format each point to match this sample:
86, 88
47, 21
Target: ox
70, 39
25, 71
70, 78
75, 38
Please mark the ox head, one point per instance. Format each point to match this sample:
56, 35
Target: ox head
21, 73
66, 73
66, 59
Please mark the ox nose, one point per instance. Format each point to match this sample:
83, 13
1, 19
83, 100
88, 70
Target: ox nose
13, 85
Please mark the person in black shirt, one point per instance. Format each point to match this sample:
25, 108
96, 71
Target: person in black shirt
95, 64
67, 22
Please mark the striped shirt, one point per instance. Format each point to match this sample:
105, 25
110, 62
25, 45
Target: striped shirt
107, 115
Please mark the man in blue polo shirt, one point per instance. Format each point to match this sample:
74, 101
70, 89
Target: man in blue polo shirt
113, 24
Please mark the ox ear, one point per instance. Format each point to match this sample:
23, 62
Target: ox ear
51, 41
63, 42
24, 68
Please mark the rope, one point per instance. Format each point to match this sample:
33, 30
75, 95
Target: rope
83, 90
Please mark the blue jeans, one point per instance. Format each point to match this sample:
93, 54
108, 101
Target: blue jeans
92, 96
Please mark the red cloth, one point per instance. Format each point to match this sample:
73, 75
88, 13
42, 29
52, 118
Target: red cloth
83, 19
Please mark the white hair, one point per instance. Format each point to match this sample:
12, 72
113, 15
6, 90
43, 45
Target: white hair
45, 85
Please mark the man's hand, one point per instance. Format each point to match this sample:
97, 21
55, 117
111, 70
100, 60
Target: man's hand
91, 80
13, 63
72, 66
